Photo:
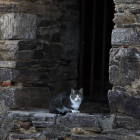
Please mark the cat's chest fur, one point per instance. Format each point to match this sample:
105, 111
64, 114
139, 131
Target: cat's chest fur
75, 104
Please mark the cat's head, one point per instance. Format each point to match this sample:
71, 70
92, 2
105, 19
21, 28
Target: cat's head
77, 95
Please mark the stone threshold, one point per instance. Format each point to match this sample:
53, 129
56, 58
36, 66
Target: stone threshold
38, 124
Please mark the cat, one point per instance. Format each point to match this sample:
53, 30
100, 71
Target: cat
66, 102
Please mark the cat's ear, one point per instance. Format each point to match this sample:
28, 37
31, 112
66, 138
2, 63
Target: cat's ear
81, 90
72, 91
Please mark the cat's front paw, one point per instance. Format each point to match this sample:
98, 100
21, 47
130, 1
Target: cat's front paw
75, 111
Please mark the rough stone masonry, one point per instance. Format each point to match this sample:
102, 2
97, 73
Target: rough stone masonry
38, 57
39, 50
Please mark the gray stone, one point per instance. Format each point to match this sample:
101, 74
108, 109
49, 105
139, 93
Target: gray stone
65, 85
8, 74
127, 122
18, 26
26, 115
120, 101
124, 61
43, 124
90, 137
106, 121
7, 95
36, 97
127, 1
88, 122
25, 55
43, 116
124, 20
24, 136
62, 73
7, 64
126, 36
53, 50
15, 97
131, 25
131, 137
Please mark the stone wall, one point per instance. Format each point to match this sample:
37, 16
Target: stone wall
124, 69
39, 50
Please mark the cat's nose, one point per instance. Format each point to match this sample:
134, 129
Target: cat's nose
78, 99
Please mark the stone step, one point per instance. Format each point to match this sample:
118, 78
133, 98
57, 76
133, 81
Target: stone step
36, 115
32, 136
90, 137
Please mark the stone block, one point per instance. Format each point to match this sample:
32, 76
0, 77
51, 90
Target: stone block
42, 124
38, 118
62, 73
124, 61
126, 122
15, 136
18, 26
90, 137
26, 115
124, 20
120, 101
16, 97
25, 125
57, 87
8, 74
43, 116
53, 51
131, 137
7, 64
25, 55
125, 36
88, 122
127, 1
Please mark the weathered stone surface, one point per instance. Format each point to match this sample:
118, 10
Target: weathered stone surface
32, 97
127, 1
131, 137
25, 125
7, 64
62, 73
90, 137
24, 136
34, 114
65, 85
120, 101
126, 36
126, 122
124, 20
7, 95
106, 121
87, 122
53, 50
18, 26
43, 116
42, 124
15, 97
124, 66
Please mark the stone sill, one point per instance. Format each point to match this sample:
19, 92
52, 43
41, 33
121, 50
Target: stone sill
38, 124
34, 123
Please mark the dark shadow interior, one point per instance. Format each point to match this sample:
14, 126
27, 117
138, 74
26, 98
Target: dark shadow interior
96, 27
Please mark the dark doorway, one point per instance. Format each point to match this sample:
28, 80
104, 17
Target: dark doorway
96, 26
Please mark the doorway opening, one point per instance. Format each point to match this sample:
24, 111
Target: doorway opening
96, 26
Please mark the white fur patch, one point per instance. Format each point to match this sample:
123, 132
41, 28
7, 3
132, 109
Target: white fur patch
76, 103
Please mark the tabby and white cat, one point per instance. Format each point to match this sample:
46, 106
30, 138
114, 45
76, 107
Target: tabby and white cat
66, 102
